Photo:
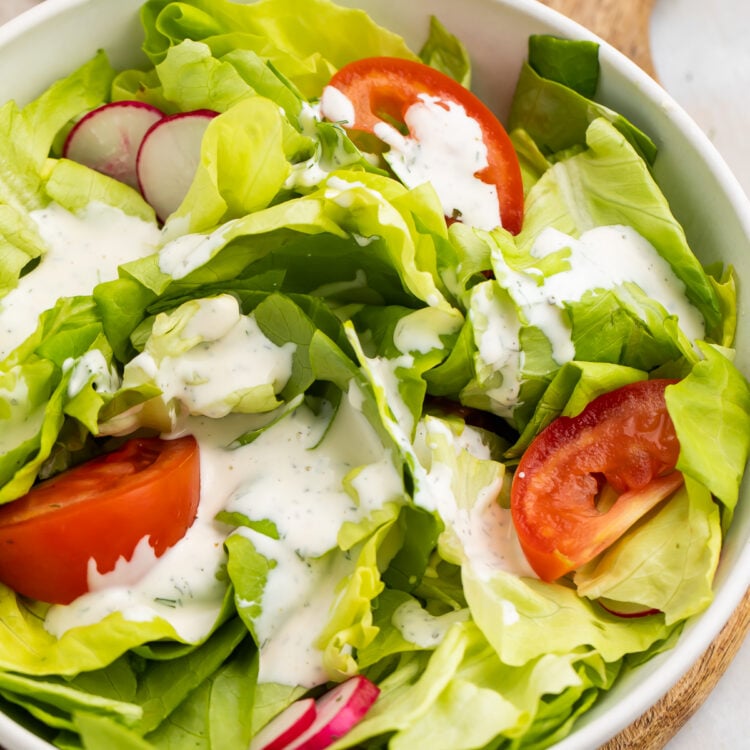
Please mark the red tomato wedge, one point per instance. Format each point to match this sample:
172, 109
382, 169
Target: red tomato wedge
622, 445
98, 511
382, 89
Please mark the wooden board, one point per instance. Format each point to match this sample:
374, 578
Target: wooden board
662, 721
625, 25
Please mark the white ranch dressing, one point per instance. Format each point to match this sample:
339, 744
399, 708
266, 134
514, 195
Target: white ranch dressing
224, 353
419, 627
91, 365
82, 250
181, 586
445, 148
484, 529
306, 499
182, 255
399, 418
311, 172
420, 331
602, 258
19, 426
336, 106
291, 475
343, 192
497, 334
489, 537
296, 606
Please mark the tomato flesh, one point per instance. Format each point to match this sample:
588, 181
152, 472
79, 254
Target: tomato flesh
98, 511
622, 446
383, 88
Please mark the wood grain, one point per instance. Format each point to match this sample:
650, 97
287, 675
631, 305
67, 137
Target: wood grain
662, 721
622, 23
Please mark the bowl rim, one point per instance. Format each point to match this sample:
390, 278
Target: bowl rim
701, 630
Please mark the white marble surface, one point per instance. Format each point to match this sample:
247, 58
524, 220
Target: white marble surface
702, 57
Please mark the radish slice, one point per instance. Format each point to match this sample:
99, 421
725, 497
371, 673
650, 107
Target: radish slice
168, 159
626, 609
338, 711
285, 727
107, 139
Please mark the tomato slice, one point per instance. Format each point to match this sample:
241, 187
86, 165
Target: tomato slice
98, 511
382, 89
587, 479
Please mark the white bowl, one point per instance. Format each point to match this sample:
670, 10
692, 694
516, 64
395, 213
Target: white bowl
54, 37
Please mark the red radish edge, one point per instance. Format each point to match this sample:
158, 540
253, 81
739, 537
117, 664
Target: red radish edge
338, 711
315, 725
625, 610
168, 157
108, 138
286, 726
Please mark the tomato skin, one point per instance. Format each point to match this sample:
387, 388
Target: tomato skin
99, 510
390, 85
624, 440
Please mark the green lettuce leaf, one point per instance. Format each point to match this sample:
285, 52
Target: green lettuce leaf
218, 713
27, 136
317, 240
305, 40
26, 646
128, 698
710, 409
180, 352
572, 62
608, 184
75, 186
192, 78
666, 563
461, 696
242, 166
557, 116
446, 52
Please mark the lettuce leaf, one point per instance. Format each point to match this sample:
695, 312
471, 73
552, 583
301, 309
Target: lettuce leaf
27, 136
74, 186
609, 184
243, 166
445, 52
28, 648
306, 41
431, 698
666, 563
317, 241
556, 116
710, 409
572, 62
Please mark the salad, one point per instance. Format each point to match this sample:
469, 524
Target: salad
336, 413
